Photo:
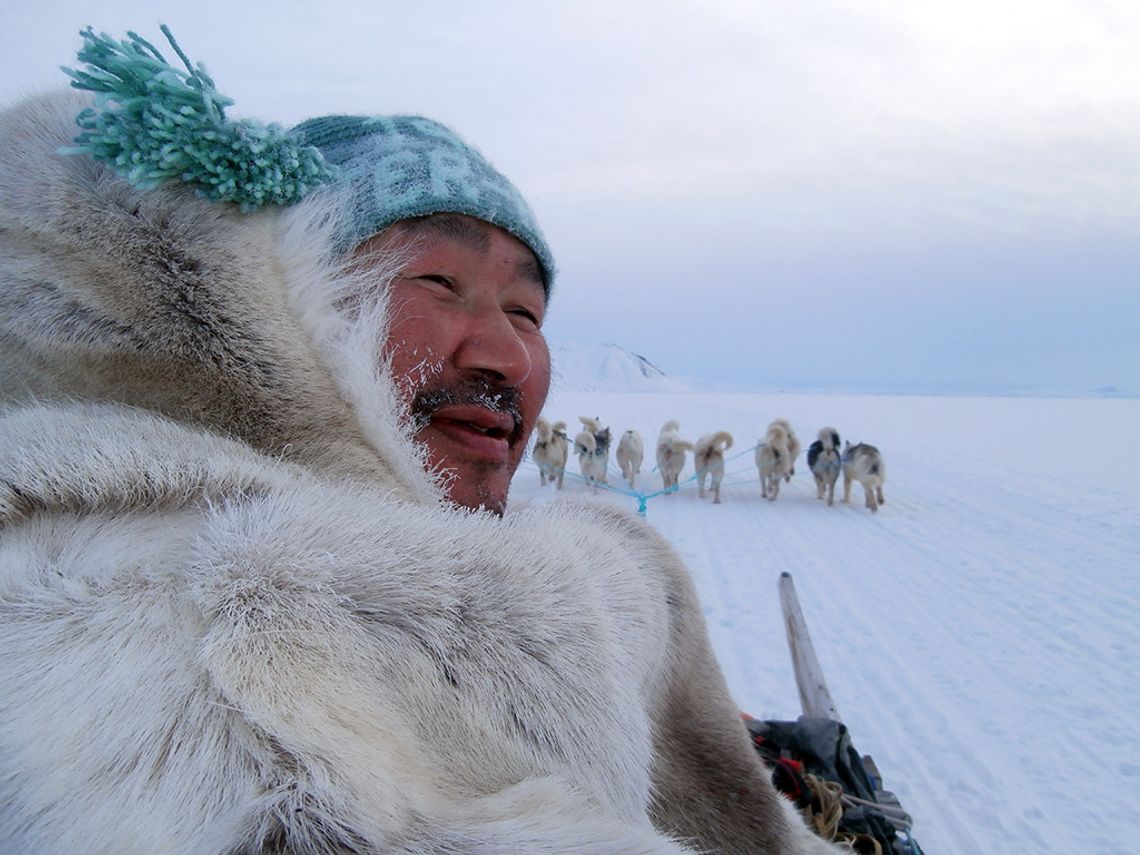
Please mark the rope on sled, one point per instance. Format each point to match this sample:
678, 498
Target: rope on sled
825, 811
826, 807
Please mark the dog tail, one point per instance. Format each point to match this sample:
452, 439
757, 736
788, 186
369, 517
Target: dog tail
584, 443
722, 437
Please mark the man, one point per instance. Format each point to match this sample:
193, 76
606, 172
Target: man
251, 598
465, 339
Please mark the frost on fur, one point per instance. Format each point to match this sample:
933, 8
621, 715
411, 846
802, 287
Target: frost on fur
237, 616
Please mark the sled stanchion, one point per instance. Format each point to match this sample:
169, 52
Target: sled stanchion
815, 699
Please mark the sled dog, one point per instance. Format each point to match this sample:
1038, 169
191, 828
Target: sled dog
823, 460
630, 453
773, 460
793, 447
671, 453
551, 448
596, 467
864, 463
708, 460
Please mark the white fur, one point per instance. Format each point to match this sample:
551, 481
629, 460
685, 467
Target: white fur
671, 453
592, 446
708, 460
551, 450
794, 447
630, 454
773, 460
236, 614
864, 463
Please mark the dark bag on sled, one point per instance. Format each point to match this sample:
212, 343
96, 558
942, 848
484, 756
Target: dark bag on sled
822, 747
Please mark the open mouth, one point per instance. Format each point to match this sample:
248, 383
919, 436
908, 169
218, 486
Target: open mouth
492, 431
475, 432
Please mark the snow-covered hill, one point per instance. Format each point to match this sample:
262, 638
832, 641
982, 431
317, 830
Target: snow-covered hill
608, 368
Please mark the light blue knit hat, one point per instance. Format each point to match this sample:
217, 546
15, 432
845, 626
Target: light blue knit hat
401, 167
155, 123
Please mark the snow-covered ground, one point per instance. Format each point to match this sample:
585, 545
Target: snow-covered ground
980, 634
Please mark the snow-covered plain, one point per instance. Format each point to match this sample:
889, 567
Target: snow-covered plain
980, 634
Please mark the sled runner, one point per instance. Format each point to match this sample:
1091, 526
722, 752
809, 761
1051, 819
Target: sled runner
815, 764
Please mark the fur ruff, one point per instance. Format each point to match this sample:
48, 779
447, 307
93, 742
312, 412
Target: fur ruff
236, 614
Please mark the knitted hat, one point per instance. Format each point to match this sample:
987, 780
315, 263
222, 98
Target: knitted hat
155, 123
401, 167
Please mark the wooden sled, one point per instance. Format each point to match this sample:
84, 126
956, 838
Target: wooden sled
845, 786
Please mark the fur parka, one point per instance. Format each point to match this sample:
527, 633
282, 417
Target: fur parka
237, 615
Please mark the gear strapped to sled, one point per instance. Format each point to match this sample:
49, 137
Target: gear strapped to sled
815, 764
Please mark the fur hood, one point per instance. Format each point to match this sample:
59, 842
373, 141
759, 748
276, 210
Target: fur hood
162, 301
237, 617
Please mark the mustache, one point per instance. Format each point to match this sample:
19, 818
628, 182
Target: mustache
477, 391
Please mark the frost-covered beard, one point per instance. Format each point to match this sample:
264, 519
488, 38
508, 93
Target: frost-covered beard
477, 391
471, 482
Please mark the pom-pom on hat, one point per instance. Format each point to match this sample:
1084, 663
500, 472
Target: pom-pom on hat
154, 123
401, 167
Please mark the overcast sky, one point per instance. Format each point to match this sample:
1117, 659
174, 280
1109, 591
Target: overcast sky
892, 195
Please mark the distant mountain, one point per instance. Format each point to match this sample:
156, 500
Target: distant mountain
608, 368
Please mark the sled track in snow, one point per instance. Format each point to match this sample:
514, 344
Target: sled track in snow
977, 633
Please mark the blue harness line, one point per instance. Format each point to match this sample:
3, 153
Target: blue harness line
642, 498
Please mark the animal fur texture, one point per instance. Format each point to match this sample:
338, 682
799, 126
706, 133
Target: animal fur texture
794, 447
824, 462
551, 450
671, 454
773, 460
630, 454
864, 463
237, 615
708, 460
592, 446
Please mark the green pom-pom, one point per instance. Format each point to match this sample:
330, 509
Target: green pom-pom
155, 123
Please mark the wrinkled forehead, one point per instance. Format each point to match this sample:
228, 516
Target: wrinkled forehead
471, 233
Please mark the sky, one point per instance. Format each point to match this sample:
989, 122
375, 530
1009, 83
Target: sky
888, 196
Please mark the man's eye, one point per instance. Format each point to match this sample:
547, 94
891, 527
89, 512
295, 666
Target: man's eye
526, 315
438, 279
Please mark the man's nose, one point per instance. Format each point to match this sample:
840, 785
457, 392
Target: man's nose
491, 344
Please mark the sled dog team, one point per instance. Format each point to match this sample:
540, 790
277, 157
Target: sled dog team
775, 458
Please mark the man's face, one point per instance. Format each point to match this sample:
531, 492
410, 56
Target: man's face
467, 352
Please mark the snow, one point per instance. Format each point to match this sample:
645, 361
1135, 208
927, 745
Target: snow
979, 633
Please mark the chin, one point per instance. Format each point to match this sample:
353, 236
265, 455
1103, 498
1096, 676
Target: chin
474, 492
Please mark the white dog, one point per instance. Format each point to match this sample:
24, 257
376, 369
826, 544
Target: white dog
708, 459
671, 453
630, 453
823, 460
864, 463
594, 469
551, 448
794, 447
773, 460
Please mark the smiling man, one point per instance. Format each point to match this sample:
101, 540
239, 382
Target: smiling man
466, 346
260, 404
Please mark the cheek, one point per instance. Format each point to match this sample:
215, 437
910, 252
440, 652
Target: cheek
415, 346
